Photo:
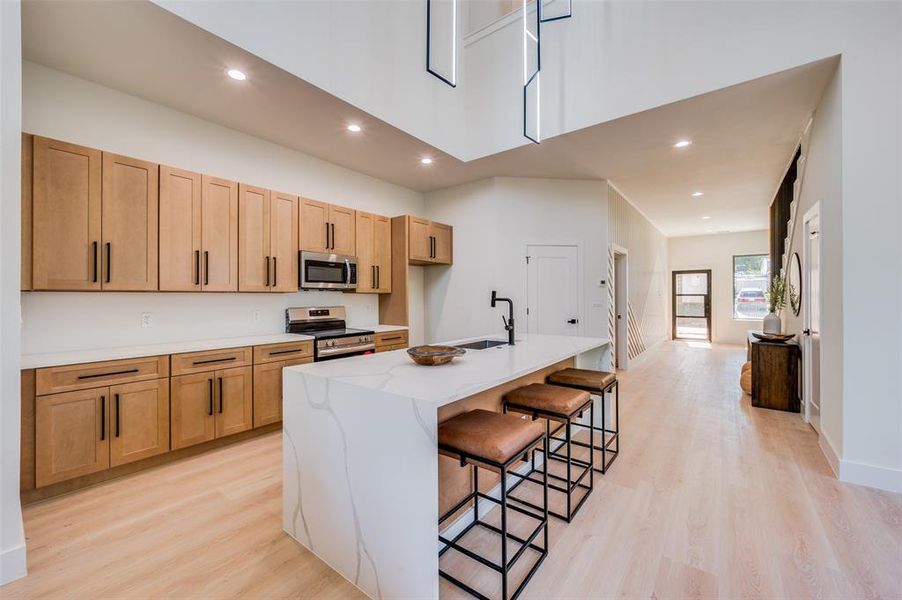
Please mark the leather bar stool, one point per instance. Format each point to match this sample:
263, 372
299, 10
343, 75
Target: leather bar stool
563, 405
495, 441
597, 383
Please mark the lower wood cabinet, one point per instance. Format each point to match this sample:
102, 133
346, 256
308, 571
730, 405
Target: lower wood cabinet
387, 341
268, 390
211, 405
82, 432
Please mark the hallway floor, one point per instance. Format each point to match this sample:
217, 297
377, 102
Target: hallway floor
710, 498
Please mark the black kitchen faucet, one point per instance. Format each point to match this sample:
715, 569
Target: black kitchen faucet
509, 321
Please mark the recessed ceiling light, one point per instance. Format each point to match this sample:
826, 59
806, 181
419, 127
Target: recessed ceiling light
426, 160
697, 194
236, 74
706, 217
354, 127
682, 143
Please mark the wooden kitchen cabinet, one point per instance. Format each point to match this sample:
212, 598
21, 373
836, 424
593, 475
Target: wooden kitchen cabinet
219, 235
66, 212
429, 242
26, 202
234, 401
373, 253
268, 390
327, 228
180, 230
71, 435
139, 426
192, 404
267, 240
129, 224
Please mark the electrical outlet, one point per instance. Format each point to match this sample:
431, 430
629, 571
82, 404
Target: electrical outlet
146, 320
256, 315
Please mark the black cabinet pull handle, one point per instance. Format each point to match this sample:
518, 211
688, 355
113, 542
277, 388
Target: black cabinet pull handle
109, 261
220, 395
373, 282
213, 360
206, 267
267, 272
94, 250
102, 418
275, 272
389, 339
327, 236
210, 390
197, 267
118, 424
108, 374
289, 351
378, 277
332, 225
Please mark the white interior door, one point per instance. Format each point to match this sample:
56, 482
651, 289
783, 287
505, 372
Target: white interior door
552, 282
811, 305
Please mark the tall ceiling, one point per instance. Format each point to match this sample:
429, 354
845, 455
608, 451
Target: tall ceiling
743, 136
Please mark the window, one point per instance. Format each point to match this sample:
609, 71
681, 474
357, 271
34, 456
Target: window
751, 277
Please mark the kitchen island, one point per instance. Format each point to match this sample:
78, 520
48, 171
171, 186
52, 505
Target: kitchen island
363, 482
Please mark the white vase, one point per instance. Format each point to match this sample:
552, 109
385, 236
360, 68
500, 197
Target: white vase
772, 324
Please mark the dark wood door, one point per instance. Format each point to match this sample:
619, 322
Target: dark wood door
691, 307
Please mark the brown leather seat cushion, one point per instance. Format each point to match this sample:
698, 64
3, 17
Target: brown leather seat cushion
584, 379
489, 435
549, 398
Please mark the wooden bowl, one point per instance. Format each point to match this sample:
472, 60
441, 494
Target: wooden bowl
434, 355
774, 337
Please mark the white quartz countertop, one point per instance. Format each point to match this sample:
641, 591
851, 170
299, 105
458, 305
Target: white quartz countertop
52, 359
478, 370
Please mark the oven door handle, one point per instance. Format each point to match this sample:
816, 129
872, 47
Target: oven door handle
344, 350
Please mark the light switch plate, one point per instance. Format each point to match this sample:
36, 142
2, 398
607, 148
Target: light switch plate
146, 320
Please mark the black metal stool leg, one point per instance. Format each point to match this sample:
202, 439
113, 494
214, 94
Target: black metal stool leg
504, 565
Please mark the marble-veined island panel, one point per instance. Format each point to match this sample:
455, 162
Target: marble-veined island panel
360, 463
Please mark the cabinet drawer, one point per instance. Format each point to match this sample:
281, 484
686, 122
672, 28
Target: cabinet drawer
391, 338
209, 360
52, 380
390, 348
280, 352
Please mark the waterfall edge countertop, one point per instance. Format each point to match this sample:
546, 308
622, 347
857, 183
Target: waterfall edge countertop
477, 370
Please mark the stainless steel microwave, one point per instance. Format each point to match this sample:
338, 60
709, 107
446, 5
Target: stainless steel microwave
320, 271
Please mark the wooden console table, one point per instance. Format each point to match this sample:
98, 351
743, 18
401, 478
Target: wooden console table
775, 374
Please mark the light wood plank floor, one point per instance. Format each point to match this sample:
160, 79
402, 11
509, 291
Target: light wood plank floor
710, 498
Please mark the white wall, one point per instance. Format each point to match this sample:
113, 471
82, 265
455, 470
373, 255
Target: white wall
716, 252
65, 107
494, 220
12, 537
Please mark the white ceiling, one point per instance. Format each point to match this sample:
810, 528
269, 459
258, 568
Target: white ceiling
742, 136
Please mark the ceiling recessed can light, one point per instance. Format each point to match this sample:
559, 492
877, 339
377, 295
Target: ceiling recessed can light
354, 127
426, 160
706, 217
682, 143
697, 194
236, 74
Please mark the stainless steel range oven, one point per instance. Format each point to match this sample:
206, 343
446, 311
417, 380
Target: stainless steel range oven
320, 271
327, 325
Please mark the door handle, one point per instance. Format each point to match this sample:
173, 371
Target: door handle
206, 267
275, 272
220, 395
118, 420
268, 278
573, 321
109, 261
94, 250
102, 418
197, 267
373, 282
332, 225
378, 277
807, 332
327, 235
210, 390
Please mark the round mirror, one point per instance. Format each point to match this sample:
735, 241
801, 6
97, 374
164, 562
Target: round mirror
794, 290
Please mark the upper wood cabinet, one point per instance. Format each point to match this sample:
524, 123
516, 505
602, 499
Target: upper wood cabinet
327, 228
267, 240
129, 223
66, 216
26, 246
219, 234
95, 219
373, 253
429, 242
180, 230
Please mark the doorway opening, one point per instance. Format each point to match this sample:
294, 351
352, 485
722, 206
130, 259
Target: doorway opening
552, 290
811, 317
691, 308
620, 283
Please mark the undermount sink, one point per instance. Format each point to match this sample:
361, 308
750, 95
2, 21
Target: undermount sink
481, 344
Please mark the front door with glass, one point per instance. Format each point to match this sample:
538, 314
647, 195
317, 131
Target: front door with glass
692, 305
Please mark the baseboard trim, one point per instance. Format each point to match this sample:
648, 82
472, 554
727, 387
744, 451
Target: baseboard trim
882, 478
12, 564
829, 453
